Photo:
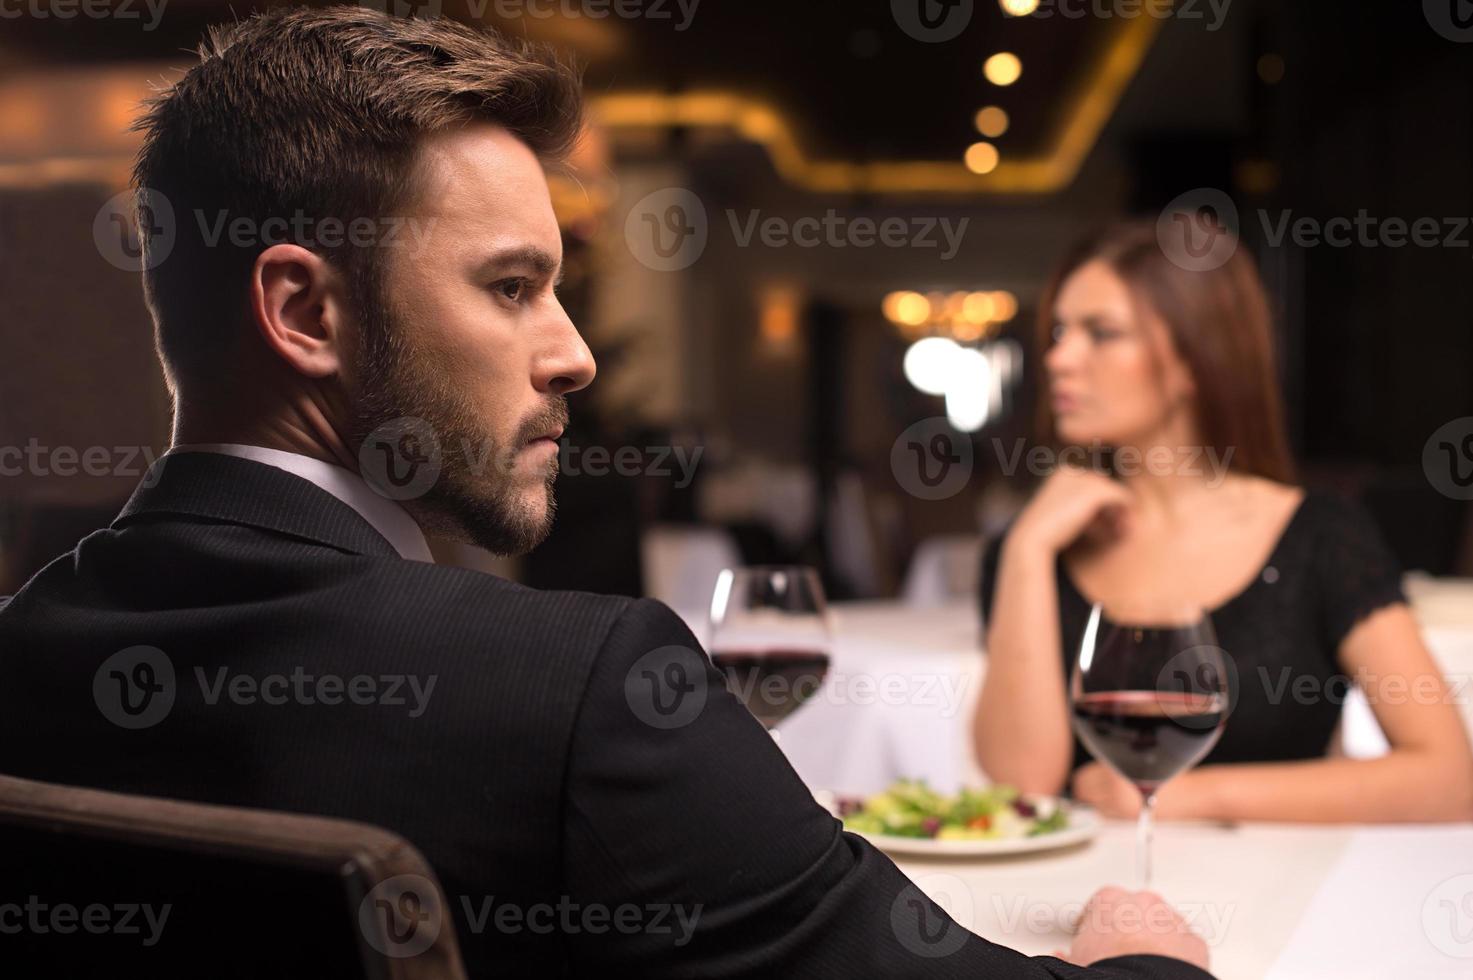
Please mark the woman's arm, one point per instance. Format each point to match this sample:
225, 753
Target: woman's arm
1021, 729
1426, 777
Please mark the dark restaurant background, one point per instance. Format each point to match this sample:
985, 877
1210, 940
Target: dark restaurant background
768, 332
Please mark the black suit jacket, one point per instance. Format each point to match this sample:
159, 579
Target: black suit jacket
563, 754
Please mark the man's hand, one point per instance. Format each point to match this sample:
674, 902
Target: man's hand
1116, 922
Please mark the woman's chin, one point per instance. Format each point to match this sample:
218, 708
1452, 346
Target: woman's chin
1075, 432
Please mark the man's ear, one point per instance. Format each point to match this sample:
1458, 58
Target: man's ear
300, 310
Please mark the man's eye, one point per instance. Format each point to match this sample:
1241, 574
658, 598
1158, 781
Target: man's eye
512, 289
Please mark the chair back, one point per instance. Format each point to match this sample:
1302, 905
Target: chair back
101, 884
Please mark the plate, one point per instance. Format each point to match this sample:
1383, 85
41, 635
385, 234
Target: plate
1084, 824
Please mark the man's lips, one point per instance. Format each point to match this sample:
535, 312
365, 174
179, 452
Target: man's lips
544, 441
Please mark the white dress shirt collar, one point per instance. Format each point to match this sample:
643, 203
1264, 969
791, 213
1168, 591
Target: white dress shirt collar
385, 516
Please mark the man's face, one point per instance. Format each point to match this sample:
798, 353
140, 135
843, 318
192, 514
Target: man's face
475, 342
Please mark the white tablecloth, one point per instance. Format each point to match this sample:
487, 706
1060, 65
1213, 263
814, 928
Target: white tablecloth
1272, 901
1276, 901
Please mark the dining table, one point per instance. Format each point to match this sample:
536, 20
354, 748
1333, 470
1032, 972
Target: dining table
1276, 901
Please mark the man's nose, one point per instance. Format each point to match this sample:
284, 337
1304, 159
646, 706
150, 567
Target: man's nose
566, 364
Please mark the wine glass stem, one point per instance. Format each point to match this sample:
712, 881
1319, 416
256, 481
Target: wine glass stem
1145, 825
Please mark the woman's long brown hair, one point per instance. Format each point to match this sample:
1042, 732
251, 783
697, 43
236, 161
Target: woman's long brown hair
1219, 324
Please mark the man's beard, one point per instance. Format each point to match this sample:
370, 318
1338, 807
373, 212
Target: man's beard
477, 497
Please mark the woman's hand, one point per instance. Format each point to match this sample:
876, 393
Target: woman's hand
1070, 502
1107, 791
1111, 794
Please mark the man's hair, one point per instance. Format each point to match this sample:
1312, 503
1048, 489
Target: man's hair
304, 115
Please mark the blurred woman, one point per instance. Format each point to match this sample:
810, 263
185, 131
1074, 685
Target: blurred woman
1172, 373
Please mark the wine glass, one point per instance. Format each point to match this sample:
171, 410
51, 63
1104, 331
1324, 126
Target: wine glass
770, 634
1150, 695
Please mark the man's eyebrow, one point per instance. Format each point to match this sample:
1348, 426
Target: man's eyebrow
542, 262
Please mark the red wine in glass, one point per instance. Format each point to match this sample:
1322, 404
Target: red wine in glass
1149, 736
772, 683
1149, 697
771, 635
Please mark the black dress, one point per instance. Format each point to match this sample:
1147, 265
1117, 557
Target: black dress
1329, 569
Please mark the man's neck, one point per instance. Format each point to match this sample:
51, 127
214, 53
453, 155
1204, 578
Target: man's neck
300, 428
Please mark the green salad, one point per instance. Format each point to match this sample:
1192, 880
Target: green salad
910, 808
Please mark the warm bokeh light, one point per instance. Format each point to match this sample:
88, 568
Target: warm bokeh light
958, 315
951, 310
978, 307
937, 300
1004, 306
778, 315
906, 308
1003, 68
981, 158
1018, 8
991, 121
967, 330
1257, 176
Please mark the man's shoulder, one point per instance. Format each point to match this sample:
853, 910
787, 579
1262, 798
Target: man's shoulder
450, 600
